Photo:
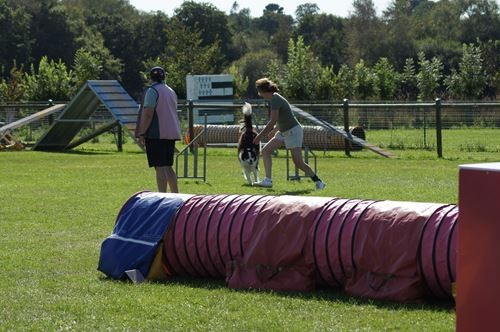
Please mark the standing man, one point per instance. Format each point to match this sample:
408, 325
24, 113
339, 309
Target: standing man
158, 128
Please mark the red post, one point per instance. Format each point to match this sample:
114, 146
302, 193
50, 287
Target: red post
478, 266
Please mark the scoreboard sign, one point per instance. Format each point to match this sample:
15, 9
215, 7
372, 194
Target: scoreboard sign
207, 89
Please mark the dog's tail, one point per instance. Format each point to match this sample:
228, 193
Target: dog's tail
247, 109
247, 112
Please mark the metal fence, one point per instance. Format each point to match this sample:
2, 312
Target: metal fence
467, 127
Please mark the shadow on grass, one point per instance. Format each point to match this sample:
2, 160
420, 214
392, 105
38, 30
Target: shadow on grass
279, 192
103, 152
298, 192
88, 152
321, 294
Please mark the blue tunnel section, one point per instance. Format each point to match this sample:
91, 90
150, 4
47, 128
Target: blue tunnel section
139, 229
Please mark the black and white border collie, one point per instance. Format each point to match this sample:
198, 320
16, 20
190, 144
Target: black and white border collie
248, 153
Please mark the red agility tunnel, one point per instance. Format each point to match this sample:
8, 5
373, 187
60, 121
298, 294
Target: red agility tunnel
401, 251
389, 250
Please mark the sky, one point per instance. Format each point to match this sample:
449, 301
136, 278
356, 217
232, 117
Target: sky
336, 7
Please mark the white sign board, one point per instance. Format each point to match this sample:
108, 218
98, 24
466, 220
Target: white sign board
210, 88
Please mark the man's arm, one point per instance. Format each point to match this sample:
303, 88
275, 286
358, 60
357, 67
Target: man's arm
147, 112
146, 118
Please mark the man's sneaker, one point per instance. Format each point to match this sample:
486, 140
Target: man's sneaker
266, 182
320, 185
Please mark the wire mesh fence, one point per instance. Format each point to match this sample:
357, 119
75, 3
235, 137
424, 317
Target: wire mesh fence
465, 128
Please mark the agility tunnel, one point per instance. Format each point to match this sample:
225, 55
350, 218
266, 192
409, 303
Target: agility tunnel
389, 250
139, 228
315, 137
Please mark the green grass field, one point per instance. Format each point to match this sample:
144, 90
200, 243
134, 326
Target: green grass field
57, 208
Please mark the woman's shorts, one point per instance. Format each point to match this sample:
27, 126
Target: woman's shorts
160, 152
292, 137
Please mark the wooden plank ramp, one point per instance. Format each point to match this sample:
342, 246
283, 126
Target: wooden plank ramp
348, 136
33, 117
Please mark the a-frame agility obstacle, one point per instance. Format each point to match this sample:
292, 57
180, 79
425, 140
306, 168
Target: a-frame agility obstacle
77, 113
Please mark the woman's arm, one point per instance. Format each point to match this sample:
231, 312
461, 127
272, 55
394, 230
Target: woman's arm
269, 126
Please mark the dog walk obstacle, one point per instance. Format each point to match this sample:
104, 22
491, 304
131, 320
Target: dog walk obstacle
346, 135
76, 115
31, 118
400, 251
8, 141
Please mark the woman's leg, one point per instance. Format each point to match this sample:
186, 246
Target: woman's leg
267, 152
299, 162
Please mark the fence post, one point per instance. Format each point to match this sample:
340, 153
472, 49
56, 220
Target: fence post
439, 141
51, 116
190, 123
346, 127
119, 139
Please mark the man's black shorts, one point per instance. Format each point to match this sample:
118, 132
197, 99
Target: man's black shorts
160, 152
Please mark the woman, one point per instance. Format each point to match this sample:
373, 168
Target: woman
290, 133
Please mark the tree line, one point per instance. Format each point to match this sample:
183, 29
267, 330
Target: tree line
414, 50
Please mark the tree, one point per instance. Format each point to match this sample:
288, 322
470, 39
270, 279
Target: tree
270, 19
240, 82
211, 24
399, 41
252, 67
480, 20
408, 89
240, 26
469, 81
491, 64
276, 28
51, 80
185, 54
121, 38
306, 10
305, 79
364, 81
12, 88
325, 36
53, 33
343, 83
428, 77
15, 42
436, 29
386, 79
86, 67
364, 88
364, 33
